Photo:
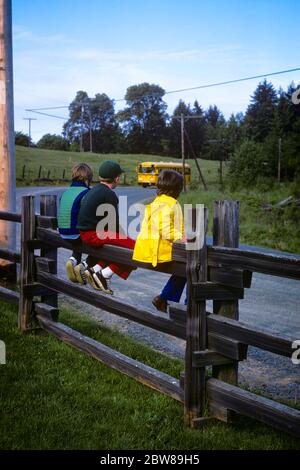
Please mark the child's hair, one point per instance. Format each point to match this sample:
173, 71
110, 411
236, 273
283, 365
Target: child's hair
169, 182
82, 172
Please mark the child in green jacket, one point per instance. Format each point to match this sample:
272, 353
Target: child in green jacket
70, 203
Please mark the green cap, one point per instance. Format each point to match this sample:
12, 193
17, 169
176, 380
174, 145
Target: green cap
110, 169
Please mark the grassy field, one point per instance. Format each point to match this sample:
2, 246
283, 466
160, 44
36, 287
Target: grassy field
56, 162
279, 229
54, 397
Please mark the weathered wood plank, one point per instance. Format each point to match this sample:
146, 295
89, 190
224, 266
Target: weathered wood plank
251, 260
232, 278
109, 253
11, 216
276, 265
9, 295
27, 261
211, 290
246, 334
223, 332
142, 373
196, 271
46, 221
10, 255
48, 208
220, 344
51, 313
254, 406
36, 289
226, 233
208, 358
227, 346
47, 265
110, 304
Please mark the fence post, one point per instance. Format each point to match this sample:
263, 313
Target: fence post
27, 261
48, 206
196, 271
226, 233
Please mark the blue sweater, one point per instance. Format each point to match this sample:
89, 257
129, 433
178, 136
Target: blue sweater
69, 208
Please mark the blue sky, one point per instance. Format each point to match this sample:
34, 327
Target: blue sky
103, 46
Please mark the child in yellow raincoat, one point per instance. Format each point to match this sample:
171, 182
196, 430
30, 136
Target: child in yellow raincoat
161, 227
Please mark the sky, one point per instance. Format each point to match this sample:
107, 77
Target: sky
102, 46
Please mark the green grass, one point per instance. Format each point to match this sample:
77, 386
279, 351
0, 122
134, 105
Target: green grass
54, 397
57, 161
279, 228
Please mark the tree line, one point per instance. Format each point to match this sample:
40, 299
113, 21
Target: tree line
251, 140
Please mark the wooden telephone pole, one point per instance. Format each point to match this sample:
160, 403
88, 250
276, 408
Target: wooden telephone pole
7, 135
182, 150
184, 118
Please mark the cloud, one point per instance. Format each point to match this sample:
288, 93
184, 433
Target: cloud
50, 69
21, 34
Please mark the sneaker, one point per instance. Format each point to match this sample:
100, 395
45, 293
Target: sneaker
160, 304
70, 268
98, 281
80, 275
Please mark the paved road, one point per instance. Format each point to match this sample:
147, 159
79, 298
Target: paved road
271, 304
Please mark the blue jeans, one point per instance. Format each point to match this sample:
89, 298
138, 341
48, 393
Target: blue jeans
173, 289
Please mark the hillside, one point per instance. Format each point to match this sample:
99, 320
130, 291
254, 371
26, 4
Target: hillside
56, 162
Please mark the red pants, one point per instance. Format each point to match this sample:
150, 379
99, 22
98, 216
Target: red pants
91, 237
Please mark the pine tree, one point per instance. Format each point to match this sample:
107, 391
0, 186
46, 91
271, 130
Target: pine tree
260, 113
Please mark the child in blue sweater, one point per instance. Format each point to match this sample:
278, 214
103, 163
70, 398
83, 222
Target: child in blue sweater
70, 203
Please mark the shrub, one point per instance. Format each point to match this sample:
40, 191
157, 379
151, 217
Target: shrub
247, 164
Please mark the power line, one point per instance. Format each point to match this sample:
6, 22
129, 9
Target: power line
46, 114
210, 85
233, 81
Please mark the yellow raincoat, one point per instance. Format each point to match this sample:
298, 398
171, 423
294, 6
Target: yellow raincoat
162, 225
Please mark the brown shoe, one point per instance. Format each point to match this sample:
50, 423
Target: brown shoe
98, 281
160, 304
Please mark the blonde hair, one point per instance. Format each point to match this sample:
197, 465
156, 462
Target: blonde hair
82, 172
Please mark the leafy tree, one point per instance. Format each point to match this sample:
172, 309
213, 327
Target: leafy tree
291, 152
53, 142
144, 119
247, 164
216, 147
260, 114
285, 127
93, 118
234, 131
22, 139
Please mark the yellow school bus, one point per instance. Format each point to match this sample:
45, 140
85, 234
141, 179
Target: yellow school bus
147, 172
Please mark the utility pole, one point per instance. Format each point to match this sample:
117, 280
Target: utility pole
279, 159
81, 133
182, 150
219, 141
91, 135
183, 131
7, 135
29, 128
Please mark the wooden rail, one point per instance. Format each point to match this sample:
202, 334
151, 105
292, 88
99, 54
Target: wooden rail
217, 339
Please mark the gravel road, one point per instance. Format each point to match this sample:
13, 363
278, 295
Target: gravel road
272, 304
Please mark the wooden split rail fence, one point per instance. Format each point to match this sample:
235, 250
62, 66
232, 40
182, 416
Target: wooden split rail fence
219, 272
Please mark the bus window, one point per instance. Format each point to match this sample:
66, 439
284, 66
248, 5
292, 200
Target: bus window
147, 170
